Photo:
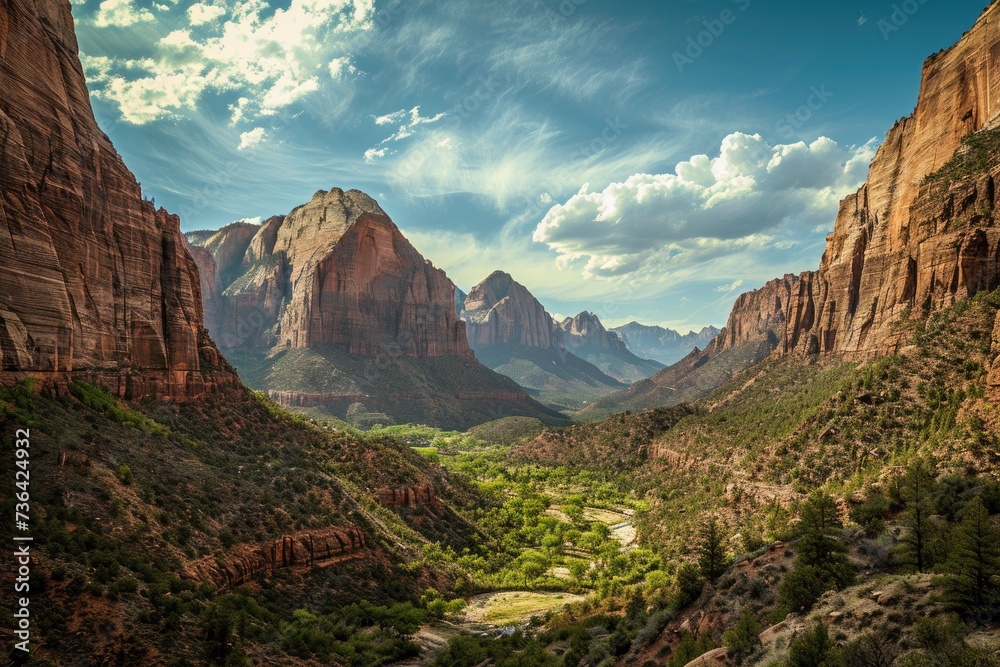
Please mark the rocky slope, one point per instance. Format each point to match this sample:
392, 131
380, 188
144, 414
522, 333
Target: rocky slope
587, 338
660, 344
918, 236
94, 282
331, 309
512, 333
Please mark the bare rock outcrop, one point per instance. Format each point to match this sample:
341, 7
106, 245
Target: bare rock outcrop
94, 282
303, 550
414, 496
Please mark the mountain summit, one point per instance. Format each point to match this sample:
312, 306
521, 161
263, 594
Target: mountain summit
586, 336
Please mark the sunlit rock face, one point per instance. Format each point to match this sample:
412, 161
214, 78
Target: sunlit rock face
94, 282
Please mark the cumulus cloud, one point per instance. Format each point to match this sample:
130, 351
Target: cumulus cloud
200, 13
252, 139
269, 59
746, 192
121, 14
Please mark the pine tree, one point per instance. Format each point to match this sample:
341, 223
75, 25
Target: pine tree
975, 562
916, 490
743, 640
711, 550
820, 547
813, 648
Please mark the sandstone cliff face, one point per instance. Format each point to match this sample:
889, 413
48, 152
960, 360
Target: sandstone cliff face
760, 316
336, 271
94, 282
900, 245
501, 311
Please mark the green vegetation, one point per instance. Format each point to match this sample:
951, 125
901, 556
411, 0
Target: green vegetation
742, 641
977, 155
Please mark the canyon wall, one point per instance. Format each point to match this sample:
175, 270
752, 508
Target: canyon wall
909, 241
94, 282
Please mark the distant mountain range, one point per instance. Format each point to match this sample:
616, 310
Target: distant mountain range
664, 345
511, 332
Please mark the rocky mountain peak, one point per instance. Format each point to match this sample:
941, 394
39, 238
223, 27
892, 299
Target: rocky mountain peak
501, 311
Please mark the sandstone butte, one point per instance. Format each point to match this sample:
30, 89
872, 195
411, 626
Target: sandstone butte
335, 271
901, 246
94, 282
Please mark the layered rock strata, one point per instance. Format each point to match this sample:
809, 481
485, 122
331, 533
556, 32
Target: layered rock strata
94, 282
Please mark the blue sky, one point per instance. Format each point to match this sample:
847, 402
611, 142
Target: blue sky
643, 160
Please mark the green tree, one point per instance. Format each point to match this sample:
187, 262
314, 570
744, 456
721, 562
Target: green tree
974, 565
744, 639
916, 489
689, 583
711, 549
800, 588
689, 648
813, 648
819, 547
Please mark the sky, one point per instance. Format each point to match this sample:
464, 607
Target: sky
643, 160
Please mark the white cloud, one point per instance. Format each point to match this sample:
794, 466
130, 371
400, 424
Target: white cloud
340, 66
749, 189
252, 139
731, 287
411, 121
121, 14
200, 13
373, 154
390, 118
269, 59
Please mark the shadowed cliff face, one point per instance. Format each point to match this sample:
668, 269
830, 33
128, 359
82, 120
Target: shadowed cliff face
94, 282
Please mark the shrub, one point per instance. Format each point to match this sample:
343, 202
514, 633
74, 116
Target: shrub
743, 640
689, 584
813, 648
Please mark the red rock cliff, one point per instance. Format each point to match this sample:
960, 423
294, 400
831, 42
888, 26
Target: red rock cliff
903, 244
93, 281
336, 271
